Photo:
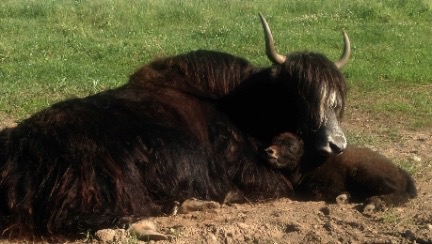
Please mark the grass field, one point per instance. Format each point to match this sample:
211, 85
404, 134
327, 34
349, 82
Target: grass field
51, 50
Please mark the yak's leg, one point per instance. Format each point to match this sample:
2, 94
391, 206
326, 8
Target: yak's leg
391, 195
194, 204
343, 198
373, 204
381, 202
383, 189
146, 230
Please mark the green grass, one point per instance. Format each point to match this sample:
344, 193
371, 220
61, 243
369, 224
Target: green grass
51, 50
391, 217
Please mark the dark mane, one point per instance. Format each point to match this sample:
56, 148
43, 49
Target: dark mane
308, 81
314, 77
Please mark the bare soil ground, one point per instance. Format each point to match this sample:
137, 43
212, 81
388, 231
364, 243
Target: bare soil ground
287, 221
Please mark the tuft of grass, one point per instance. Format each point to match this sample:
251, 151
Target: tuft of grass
363, 139
391, 217
408, 165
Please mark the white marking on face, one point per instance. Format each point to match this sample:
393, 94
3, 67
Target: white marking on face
323, 106
327, 101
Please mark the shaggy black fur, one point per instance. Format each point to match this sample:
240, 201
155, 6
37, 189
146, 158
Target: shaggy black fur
183, 126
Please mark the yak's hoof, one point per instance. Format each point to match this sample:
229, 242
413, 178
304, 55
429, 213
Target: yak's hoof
342, 198
373, 204
146, 231
233, 196
194, 204
369, 209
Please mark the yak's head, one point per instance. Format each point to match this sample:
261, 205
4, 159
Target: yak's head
320, 91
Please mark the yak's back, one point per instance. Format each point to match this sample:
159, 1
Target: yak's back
202, 73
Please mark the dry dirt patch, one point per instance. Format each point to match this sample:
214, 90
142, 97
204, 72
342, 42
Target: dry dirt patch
287, 221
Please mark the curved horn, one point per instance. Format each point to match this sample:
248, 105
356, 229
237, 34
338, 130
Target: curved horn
270, 48
346, 52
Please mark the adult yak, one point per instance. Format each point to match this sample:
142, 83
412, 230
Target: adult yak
183, 126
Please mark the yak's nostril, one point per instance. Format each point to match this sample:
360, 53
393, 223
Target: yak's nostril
336, 149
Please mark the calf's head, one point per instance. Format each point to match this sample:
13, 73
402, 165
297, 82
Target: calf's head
285, 151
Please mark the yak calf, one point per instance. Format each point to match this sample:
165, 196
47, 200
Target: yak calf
359, 173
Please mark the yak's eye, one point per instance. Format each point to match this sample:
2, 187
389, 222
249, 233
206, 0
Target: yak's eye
333, 101
334, 106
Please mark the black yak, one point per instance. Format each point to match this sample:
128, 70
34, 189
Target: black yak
183, 126
359, 173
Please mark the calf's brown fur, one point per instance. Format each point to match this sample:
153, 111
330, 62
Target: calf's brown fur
365, 175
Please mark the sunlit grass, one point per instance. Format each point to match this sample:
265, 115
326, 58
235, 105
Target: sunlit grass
407, 104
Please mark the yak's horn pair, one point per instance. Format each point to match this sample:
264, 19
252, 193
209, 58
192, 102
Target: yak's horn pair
277, 58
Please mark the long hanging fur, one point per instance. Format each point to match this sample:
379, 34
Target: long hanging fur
183, 126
